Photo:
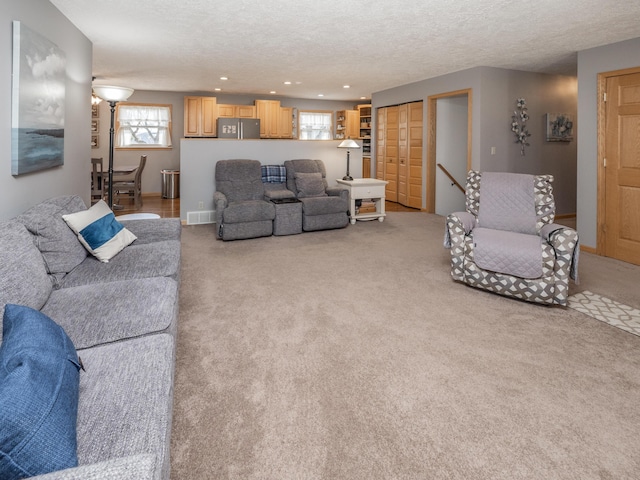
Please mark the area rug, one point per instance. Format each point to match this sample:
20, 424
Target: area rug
606, 310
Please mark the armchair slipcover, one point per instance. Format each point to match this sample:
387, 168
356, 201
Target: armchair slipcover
240, 208
323, 207
506, 241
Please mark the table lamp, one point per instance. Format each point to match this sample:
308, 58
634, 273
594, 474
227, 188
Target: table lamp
348, 144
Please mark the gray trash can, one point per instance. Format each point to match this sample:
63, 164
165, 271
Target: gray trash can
170, 183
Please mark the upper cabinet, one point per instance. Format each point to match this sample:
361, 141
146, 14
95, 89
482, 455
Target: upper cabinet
347, 124
200, 115
275, 121
236, 111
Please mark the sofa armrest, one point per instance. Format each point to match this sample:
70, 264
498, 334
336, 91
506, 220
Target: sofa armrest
219, 204
564, 241
134, 467
338, 192
277, 194
460, 224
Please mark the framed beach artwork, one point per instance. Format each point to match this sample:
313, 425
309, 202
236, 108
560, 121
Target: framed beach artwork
559, 127
37, 108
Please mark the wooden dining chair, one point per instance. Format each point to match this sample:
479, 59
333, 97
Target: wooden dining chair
130, 186
97, 185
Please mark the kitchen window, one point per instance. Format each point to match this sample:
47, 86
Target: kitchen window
143, 126
315, 125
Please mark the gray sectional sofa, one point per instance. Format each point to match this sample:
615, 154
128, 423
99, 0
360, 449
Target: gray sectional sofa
122, 318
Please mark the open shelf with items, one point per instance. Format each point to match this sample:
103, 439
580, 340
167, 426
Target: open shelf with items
347, 124
364, 117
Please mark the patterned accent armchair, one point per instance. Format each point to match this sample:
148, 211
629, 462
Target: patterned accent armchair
506, 241
241, 210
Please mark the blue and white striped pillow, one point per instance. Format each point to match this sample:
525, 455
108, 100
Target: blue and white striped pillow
99, 231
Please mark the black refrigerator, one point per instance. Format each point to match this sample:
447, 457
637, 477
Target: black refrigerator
238, 128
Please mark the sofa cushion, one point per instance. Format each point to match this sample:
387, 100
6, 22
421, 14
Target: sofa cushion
114, 311
135, 397
60, 248
158, 259
249, 211
99, 231
309, 185
511, 253
23, 276
38, 393
324, 205
153, 230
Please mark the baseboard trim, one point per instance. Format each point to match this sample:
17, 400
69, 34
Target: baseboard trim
566, 215
584, 248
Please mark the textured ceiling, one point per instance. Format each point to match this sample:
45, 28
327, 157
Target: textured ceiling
320, 46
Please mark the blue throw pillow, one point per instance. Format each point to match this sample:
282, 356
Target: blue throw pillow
39, 377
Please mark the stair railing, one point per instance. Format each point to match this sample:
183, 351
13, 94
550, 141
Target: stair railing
453, 180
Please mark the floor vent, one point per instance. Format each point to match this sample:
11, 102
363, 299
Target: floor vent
197, 218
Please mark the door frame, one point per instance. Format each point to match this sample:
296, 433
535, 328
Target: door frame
432, 123
601, 135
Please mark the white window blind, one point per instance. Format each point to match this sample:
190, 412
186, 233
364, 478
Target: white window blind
143, 126
315, 125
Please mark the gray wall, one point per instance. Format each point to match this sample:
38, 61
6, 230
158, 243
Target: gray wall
494, 94
199, 158
158, 159
590, 63
19, 193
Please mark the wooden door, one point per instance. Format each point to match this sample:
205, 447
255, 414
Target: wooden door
622, 168
391, 154
414, 192
403, 156
381, 115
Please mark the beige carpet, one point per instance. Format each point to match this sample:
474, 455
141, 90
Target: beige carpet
351, 354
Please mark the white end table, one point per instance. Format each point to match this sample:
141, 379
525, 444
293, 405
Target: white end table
365, 188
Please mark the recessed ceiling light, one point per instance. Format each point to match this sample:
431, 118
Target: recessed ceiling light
363, 98
287, 82
272, 91
346, 86
321, 94
217, 89
224, 78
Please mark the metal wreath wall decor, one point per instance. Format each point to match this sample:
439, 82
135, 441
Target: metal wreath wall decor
518, 124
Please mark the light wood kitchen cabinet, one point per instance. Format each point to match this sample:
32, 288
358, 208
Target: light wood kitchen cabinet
268, 111
399, 152
286, 122
200, 115
347, 124
226, 110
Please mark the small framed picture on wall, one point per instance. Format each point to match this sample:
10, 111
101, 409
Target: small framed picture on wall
95, 126
95, 113
95, 141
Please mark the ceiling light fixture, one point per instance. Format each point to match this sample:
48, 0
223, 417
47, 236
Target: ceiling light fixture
272, 91
321, 94
346, 86
287, 82
224, 78
217, 89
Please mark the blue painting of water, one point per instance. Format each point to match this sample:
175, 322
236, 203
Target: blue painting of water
36, 149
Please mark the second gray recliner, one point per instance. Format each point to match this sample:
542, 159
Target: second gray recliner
323, 207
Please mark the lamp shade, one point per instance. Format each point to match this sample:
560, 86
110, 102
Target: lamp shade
348, 144
112, 94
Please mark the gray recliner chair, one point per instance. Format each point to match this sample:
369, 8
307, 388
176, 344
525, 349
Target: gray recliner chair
240, 208
323, 207
506, 241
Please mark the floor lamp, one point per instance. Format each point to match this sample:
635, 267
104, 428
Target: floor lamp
348, 144
112, 95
